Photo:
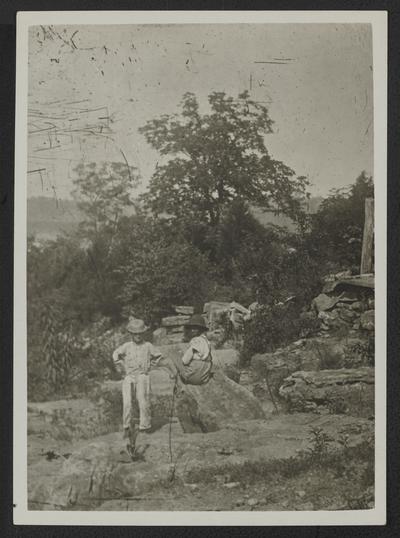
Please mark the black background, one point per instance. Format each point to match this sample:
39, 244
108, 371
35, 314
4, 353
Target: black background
8, 10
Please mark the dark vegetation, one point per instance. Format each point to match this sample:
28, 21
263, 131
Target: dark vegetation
190, 238
327, 462
324, 452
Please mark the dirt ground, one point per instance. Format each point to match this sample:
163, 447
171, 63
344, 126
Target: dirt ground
315, 490
284, 467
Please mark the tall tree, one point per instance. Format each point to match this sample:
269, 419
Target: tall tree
103, 192
214, 158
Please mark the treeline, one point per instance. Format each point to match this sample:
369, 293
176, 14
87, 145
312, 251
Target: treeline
191, 236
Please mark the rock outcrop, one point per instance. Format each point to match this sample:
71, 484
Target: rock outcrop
209, 407
269, 370
347, 391
344, 303
172, 327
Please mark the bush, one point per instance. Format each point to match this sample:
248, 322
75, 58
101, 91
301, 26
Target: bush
274, 326
335, 236
160, 268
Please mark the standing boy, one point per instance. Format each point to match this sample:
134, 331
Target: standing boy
134, 359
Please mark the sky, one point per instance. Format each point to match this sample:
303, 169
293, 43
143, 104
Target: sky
92, 87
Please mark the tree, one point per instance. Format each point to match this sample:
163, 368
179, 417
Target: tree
103, 192
218, 157
158, 268
337, 227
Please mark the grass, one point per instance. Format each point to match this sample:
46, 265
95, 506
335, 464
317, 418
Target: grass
252, 472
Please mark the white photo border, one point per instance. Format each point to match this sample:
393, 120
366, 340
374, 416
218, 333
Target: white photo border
23, 516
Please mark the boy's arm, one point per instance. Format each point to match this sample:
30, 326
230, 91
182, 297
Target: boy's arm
198, 345
155, 355
118, 357
188, 355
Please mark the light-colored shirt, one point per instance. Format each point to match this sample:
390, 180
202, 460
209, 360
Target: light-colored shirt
199, 348
136, 358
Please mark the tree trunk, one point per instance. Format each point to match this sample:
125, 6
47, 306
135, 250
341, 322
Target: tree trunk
368, 238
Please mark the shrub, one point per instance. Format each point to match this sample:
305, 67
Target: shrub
272, 327
336, 229
361, 353
160, 269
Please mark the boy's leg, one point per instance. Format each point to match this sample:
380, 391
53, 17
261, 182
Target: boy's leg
176, 367
143, 399
168, 364
126, 402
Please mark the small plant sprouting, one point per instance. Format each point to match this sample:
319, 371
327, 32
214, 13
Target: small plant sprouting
320, 445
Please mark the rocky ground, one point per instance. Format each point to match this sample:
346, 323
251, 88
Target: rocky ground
279, 440
296, 461
292, 431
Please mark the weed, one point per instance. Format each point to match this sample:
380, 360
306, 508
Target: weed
320, 444
337, 406
361, 353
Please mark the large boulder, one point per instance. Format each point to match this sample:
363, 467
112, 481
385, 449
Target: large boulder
347, 391
269, 370
209, 407
323, 302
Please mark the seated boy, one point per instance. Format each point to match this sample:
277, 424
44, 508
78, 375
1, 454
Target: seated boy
194, 368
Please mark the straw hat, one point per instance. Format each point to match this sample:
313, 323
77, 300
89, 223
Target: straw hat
136, 326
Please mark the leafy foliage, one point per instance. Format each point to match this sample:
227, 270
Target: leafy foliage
337, 228
102, 192
194, 239
158, 268
217, 158
273, 326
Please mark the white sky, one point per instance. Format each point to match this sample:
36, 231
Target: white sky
321, 100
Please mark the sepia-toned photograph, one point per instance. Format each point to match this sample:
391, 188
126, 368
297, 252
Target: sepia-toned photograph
197, 209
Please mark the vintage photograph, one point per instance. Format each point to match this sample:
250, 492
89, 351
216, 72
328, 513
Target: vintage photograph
200, 266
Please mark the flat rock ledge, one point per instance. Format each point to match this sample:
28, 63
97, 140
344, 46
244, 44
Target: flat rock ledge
347, 391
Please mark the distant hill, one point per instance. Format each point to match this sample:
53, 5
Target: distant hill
265, 217
313, 204
48, 217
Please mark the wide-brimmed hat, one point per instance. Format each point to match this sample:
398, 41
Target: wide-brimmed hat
198, 321
136, 326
